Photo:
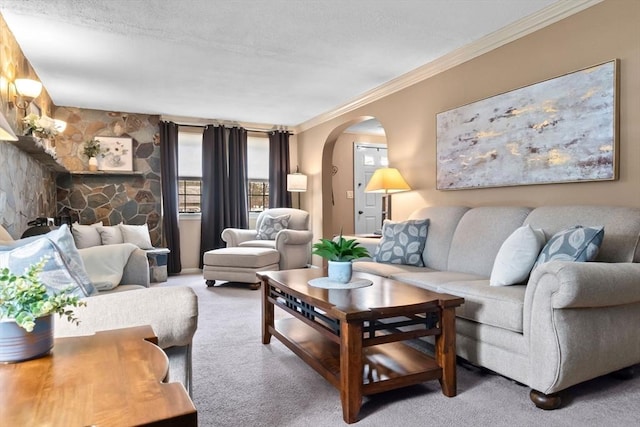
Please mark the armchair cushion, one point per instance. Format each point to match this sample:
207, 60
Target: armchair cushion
270, 226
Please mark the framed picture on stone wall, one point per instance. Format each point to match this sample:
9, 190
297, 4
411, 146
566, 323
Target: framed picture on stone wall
559, 130
116, 153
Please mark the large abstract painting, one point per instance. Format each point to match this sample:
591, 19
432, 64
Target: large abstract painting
559, 130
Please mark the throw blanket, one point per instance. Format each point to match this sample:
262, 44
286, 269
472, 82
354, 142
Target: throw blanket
105, 264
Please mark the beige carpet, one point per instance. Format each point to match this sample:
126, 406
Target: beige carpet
238, 381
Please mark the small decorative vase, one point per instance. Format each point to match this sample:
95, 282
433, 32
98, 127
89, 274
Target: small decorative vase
18, 345
340, 271
93, 164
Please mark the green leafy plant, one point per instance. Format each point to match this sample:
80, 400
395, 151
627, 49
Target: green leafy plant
92, 148
24, 298
340, 249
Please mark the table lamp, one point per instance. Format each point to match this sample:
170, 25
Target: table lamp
386, 181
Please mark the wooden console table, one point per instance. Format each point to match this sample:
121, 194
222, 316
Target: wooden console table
112, 378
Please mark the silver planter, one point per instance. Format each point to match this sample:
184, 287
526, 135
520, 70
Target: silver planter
17, 345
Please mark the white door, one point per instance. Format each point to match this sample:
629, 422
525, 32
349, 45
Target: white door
367, 206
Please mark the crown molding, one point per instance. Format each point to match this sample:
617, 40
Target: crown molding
514, 31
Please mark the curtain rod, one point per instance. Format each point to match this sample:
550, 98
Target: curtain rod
227, 126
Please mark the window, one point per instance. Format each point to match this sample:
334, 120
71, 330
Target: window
258, 195
189, 192
258, 173
190, 171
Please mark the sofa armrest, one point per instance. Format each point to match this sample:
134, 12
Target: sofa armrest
588, 284
579, 322
172, 312
234, 236
136, 271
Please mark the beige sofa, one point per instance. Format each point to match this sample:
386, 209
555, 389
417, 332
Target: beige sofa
171, 312
570, 322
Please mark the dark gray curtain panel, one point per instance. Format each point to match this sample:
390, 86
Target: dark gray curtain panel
169, 183
215, 189
238, 212
279, 197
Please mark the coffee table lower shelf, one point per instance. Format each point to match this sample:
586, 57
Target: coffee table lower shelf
386, 366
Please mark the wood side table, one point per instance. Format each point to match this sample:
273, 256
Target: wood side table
112, 378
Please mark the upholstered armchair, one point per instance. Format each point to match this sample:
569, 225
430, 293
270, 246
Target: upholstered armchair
283, 229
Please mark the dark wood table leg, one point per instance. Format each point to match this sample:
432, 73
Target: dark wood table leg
351, 367
446, 351
267, 313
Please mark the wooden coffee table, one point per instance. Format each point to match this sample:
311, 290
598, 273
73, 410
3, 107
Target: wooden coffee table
353, 338
112, 378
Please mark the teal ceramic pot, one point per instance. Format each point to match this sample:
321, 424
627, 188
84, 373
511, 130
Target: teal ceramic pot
17, 345
340, 271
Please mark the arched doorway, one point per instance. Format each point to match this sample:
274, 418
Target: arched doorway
339, 191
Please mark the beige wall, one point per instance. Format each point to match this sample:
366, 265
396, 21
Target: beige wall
342, 181
603, 32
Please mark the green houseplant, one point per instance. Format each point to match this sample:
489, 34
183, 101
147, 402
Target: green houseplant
26, 311
339, 253
92, 149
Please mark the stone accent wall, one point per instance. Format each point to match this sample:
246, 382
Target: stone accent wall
27, 189
110, 197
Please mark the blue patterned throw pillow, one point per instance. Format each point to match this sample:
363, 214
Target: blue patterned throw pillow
577, 243
402, 242
271, 225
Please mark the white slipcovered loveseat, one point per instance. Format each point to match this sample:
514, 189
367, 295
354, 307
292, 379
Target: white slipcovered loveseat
567, 323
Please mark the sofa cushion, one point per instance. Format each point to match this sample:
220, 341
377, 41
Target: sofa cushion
516, 256
270, 226
479, 235
106, 275
576, 243
86, 236
64, 266
385, 270
500, 306
110, 234
443, 221
402, 242
431, 280
137, 235
622, 225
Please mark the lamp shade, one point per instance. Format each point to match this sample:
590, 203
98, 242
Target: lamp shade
387, 180
296, 182
28, 88
6, 133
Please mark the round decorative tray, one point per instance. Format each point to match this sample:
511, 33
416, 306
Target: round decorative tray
326, 283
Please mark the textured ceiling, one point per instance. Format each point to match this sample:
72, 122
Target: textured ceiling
278, 62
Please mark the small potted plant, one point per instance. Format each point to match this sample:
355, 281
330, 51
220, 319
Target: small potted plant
26, 310
92, 149
339, 253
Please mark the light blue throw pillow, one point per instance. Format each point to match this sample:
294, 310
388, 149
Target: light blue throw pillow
402, 242
577, 243
64, 265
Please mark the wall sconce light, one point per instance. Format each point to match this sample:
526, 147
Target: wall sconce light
26, 90
387, 181
297, 183
6, 133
